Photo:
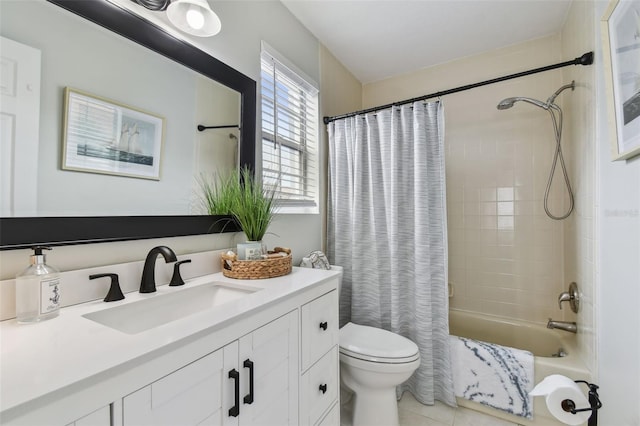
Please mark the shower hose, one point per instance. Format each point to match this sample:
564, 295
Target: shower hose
557, 127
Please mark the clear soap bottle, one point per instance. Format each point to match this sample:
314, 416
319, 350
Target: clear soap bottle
38, 290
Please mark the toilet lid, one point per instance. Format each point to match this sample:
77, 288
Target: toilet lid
376, 344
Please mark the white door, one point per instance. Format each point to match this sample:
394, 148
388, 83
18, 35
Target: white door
272, 353
19, 128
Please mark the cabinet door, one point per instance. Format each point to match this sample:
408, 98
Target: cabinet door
231, 407
100, 417
191, 395
270, 353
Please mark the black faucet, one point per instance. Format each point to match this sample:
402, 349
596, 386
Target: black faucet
148, 282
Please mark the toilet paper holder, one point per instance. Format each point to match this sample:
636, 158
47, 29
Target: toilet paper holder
594, 400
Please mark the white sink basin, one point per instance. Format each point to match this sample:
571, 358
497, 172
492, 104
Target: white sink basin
157, 310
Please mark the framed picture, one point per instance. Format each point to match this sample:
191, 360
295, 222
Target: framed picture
104, 136
621, 55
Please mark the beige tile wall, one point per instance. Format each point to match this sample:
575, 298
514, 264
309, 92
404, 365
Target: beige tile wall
505, 255
578, 37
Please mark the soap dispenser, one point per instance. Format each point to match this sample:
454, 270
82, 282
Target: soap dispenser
37, 290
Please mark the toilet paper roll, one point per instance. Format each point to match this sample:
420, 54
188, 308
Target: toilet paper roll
558, 388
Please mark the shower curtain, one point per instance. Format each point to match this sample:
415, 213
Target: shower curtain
387, 228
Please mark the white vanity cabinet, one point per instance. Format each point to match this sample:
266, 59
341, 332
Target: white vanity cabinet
269, 358
251, 381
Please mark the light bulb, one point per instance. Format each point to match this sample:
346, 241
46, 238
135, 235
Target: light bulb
195, 18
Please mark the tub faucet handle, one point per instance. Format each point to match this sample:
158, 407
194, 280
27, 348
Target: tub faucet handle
564, 297
572, 296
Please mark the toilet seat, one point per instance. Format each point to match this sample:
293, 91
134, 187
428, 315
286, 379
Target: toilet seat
376, 345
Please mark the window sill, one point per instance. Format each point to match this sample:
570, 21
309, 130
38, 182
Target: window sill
298, 210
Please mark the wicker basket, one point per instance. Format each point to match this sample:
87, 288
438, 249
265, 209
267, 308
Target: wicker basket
256, 269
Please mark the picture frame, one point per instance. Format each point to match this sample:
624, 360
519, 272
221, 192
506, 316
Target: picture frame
104, 136
620, 31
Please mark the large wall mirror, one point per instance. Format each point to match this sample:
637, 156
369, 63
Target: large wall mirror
121, 62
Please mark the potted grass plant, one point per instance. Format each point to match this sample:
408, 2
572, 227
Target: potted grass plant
251, 204
252, 207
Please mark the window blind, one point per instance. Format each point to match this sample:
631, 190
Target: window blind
289, 134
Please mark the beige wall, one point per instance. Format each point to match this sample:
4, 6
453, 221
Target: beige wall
578, 37
341, 92
505, 255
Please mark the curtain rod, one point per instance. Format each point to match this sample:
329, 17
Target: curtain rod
586, 59
202, 128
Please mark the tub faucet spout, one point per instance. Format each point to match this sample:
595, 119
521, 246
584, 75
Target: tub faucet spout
571, 327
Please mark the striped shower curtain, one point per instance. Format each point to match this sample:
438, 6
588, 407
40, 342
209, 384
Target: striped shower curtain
387, 228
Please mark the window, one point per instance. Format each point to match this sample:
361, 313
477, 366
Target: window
289, 134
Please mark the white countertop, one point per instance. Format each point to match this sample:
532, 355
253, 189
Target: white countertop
37, 359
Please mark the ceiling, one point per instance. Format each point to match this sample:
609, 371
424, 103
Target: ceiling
377, 39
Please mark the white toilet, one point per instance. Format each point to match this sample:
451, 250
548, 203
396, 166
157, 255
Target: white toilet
372, 363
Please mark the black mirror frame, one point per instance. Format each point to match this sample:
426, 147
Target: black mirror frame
23, 232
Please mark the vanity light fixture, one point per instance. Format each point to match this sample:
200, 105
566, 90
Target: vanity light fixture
193, 17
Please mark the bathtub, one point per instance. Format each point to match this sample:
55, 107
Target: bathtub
541, 341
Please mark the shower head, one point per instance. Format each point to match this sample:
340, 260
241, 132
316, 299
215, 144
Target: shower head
508, 103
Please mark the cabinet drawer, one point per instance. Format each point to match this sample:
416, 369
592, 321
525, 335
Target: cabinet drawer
319, 331
319, 388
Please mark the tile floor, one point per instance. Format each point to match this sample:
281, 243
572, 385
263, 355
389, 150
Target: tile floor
413, 413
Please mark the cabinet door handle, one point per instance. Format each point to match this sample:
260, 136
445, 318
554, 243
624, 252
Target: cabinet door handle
248, 399
235, 410
323, 325
323, 388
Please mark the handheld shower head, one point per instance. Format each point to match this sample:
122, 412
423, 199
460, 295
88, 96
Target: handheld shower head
556, 117
508, 103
